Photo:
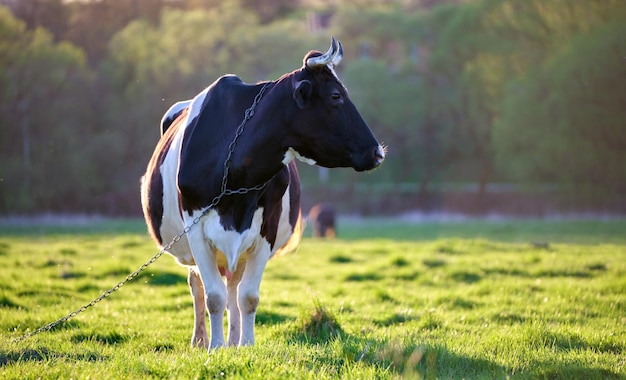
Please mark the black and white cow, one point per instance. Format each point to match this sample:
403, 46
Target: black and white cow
305, 114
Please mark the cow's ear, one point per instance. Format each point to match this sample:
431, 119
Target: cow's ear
302, 93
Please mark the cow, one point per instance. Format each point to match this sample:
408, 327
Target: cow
210, 144
322, 216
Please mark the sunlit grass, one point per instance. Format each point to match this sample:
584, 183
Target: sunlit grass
466, 300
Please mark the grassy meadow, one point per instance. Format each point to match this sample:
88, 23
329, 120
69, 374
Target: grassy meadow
474, 300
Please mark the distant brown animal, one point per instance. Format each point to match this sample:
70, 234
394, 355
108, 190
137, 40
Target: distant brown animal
322, 216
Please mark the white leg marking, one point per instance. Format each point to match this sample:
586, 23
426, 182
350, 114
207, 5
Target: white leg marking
234, 315
199, 338
213, 247
214, 287
248, 294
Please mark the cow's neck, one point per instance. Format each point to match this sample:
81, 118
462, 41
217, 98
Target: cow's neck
256, 160
259, 153
256, 154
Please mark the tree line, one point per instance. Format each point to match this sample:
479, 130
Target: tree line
531, 93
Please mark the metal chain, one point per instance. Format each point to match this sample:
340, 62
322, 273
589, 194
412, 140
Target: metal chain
224, 192
231, 148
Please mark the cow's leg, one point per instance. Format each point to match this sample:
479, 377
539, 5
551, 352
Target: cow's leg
214, 287
199, 338
248, 295
234, 316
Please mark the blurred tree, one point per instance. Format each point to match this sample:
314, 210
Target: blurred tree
267, 11
469, 61
49, 14
396, 90
93, 23
270, 10
88, 24
478, 91
565, 121
150, 67
38, 120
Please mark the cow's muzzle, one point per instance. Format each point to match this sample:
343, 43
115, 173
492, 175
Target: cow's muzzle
369, 158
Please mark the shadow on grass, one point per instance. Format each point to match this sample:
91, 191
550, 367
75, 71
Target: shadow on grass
360, 277
161, 278
590, 271
268, 318
340, 259
466, 277
9, 303
394, 319
44, 354
570, 371
28, 325
427, 361
67, 325
438, 362
412, 359
110, 338
403, 359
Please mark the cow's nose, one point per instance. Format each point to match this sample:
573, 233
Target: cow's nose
379, 155
368, 158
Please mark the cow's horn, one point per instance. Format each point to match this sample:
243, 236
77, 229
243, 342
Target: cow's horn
324, 59
338, 55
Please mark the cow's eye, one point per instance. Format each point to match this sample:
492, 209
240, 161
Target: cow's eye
336, 97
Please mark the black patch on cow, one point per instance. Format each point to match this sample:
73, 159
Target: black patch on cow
206, 140
271, 200
236, 211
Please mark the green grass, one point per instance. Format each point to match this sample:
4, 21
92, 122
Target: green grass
468, 300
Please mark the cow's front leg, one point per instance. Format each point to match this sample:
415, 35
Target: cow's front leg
248, 294
234, 316
199, 338
214, 288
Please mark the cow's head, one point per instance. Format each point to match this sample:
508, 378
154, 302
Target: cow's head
326, 127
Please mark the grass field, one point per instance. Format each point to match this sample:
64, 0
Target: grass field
474, 300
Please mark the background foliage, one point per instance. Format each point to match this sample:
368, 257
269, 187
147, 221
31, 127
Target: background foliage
478, 92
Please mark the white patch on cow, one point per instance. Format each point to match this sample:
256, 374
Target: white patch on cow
215, 247
284, 228
230, 246
175, 108
172, 222
196, 105
291, 153
331, 67
248, 291
382, 152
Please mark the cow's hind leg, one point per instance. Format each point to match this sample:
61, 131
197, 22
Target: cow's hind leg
214, 287
199, 338
248, 294
234, 315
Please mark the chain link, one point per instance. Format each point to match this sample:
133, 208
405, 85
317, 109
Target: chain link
224, 192
231, 148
